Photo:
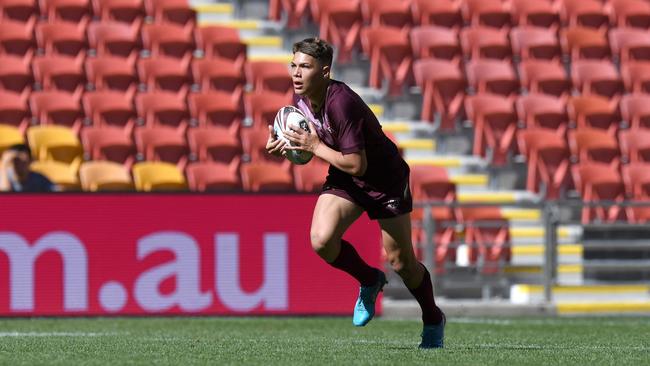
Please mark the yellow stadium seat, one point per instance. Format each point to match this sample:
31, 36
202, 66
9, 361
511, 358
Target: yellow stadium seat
158, 176
9, 135
61, 174
104, 176
57, 143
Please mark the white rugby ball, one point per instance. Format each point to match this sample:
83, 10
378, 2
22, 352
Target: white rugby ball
291, 118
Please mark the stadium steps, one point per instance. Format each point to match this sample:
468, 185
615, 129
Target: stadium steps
525, 294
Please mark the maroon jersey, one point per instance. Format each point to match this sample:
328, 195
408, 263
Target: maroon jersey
346, 124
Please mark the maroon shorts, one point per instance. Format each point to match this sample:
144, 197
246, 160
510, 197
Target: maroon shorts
394, 201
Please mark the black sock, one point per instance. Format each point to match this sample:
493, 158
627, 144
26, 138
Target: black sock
349, 261
423, 293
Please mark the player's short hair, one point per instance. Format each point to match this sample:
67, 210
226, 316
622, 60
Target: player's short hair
316, 48
20, 148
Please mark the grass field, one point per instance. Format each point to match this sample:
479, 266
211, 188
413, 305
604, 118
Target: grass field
321, 341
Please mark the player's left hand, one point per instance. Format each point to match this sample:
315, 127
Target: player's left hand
303, 140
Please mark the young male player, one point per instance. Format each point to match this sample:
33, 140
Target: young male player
366, 174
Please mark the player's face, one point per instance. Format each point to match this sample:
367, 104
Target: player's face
308, 75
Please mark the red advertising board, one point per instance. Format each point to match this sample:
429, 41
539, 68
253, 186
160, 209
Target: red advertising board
79, 254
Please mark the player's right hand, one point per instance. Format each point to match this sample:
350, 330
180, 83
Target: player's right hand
274, 145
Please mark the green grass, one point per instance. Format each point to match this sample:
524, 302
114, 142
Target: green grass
321, 341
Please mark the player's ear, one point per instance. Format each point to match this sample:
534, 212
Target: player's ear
326, 71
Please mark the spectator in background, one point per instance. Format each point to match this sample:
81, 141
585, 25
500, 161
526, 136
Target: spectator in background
16, 175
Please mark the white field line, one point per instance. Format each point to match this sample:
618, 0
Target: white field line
58, 334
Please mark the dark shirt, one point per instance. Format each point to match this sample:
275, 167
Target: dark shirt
35, 183
346, 124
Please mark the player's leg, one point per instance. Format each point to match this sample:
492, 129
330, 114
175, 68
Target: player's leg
396, 239
333, 215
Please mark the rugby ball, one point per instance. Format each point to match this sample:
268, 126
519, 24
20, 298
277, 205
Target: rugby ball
291, 118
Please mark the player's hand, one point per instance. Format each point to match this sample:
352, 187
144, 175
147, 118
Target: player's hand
303, 140
274, 145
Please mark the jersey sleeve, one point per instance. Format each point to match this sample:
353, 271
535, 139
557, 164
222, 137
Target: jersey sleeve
348, 119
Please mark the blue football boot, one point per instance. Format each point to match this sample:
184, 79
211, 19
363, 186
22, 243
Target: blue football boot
433, 336
364, 309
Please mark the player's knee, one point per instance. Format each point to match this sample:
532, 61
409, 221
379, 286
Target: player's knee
400, 262
319, 241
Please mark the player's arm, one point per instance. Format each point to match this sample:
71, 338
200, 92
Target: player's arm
353, 163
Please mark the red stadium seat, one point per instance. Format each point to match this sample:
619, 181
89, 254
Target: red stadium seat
492, 76
391, 58
222, 42
112, 73
543, 111
219, 75
547, 77
582, 42
266, 177
270, 76
594, 145
254, 143
295, 11
25, 11
485, 42
162, 109
487, 234
395, 13
534, 42
165, 74
168, 39
495, 125
636, 76
636, 177
597, 77
125, 11
214, 143
548, 160
214, 177
172, 11
594, 111
432, 184
109, 143
15, 76
435, 42
635, 145
635, 109
60, 73
439, 13
72, 11
112, 38
595, 182
162, 143
630, 44
310, 177
59, 108
443, 90
214, 108
340, 24
63, 39
263, 107
16, 39
491, 13
110, 108
586, 13
14, 111
630, 13
535, 13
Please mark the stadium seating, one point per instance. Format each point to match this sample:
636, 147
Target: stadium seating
113, 38
25, 11
270, 76
340, 23
56, 107
16, 39
630, 13
55, 143
635, 145
213, 176
162, 144
636, 76
130, 12
594, 111
535, 13
596, 77
261, 176
9, 135
636, 177
14, 111
543, 111
443, 90
435, 42
582, 42
635, 109
214, 144
391, 58
162, 108
548, 158
387, 13
216, 108
485, 42
598, 181
97, 176
60, 73
548, 77
221, 42
220, 75
149, 176
495, 125
491, 13
109, 143
64, 176
110, 108
440, 13
487, 234
295, 10
492, 76
535, 43
63, 39
165, 74
310, 177
15, 76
